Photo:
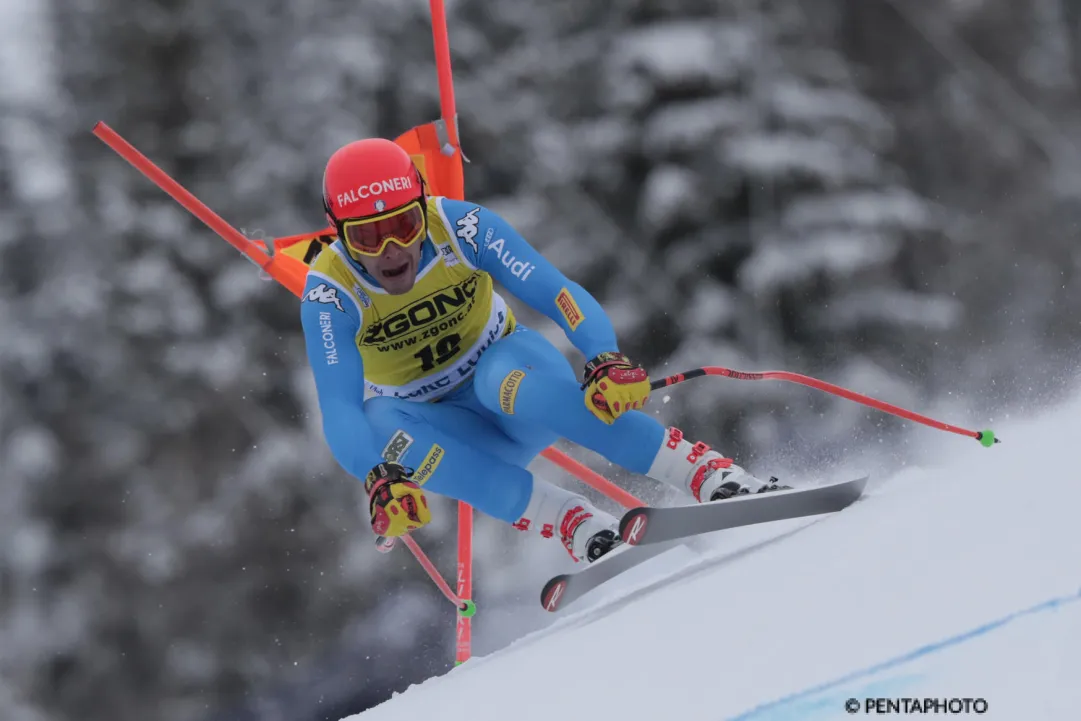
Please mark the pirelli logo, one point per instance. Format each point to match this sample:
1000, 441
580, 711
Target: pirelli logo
508, 391
429, 464
569, 309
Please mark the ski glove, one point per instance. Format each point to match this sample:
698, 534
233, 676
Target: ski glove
614, 385
396, 503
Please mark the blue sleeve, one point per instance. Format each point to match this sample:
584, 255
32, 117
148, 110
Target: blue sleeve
331, 321
494, 246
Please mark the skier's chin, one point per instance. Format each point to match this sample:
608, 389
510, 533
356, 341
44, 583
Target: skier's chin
398, 279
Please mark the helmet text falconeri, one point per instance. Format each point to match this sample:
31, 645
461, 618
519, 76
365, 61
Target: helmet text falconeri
376, 188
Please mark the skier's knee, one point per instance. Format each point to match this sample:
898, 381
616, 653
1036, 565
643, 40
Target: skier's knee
495, 363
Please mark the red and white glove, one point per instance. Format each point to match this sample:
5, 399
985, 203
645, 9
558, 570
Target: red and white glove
614, 385
396, 503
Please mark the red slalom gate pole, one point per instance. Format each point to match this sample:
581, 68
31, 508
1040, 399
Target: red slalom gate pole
180, 194
442, 64
986, 437
463, 647
251, 249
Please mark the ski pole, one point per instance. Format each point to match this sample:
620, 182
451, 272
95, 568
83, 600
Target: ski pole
466, 607
986, 437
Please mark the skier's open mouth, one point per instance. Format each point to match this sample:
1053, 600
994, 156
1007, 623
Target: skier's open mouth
397, 271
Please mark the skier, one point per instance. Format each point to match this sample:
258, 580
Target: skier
402, 304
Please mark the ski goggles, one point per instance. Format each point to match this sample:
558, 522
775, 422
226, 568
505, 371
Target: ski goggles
369, 236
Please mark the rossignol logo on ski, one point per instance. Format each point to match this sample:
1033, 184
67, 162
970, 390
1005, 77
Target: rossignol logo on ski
323, 293
634, 532
467, 228
551, 603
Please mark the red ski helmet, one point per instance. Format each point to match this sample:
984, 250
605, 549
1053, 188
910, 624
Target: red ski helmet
374, 194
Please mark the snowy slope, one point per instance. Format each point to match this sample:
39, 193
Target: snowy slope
961, 580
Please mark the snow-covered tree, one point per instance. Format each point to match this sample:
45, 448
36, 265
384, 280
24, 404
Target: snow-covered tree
880, 193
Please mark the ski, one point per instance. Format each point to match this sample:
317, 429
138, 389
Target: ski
648, 525
567, 587
649, 531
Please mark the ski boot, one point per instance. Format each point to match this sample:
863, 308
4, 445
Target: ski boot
703, 472
731, 488
601, 543
587, 532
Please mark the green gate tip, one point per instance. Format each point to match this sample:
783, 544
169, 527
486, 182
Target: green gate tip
987, 438
467, 609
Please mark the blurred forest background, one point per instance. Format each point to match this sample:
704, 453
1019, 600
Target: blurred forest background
881, 193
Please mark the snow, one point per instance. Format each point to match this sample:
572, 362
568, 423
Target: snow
948, 580
28, 73
669, 195
680, 127
688, 51
783, 154
839, 253
861, 208
799, 103
896, 307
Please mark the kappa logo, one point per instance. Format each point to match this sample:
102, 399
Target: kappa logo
396, 447
508, 391
467, 228
380, 205
323, 293
429, 464
570, 310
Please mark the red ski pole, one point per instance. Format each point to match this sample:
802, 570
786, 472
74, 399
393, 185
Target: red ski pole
466, 607
986, 437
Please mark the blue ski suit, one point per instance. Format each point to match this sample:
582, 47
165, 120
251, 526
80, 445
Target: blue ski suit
457, 389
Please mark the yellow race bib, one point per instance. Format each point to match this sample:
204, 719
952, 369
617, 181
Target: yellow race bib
424, 343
